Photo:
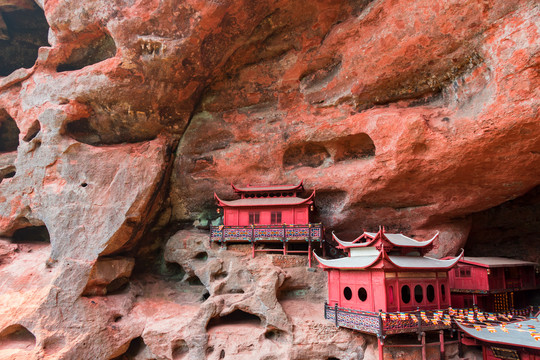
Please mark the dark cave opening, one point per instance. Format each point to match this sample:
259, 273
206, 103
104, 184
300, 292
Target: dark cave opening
135, 348
307, 154
100, 48
510, 229
32, 234
17, 337
9, 133
32, 132
356, 146
23, 30
237, 317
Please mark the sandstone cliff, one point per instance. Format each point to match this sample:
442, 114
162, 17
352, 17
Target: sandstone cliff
119, 119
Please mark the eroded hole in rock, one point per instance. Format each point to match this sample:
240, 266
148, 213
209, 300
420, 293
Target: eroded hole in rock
23, 29
135, 349
274, 335
117, 286
97, 50
180, 350
7, 172
17, 337
32, 131
203, 256
32, 234
220, 275
357, 146
205, 296
194, 280
308, 154
113, 126
237, 317
9, 133
172, 271
222, 354
53, 344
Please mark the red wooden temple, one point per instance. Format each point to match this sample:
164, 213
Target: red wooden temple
269, 215
493, 284
387, 286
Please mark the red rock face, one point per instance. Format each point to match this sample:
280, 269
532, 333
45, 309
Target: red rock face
411, 114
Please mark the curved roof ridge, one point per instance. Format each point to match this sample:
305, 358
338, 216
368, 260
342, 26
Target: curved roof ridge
267, 201
405, 241
355, 262
249, 188
348, 244
429, 262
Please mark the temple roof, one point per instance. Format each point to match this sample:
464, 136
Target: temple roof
403, 262
518, 333
493, 262
269, 188
266, 201
398, 240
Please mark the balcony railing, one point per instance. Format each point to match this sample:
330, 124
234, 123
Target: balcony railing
415, 321
267, 233
387, 323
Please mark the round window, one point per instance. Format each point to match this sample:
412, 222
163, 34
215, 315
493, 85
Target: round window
347, 292
418, 293
405, 294
430, 293
362, 294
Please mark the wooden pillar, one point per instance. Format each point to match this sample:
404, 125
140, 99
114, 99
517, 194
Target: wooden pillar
380, 344
424, 353
460, 346
309, 252
441, 341
253, 241
335, 308
284, 248
309, 245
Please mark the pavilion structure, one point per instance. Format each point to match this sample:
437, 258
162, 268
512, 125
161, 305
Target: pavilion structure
493, 284
386, 285
269, 215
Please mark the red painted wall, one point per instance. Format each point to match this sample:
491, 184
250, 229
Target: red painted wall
379, 294
522, 277
477, 280
371, 281
289, 215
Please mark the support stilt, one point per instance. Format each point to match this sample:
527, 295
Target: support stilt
424, 354
380, 345
253, 249
309, 252
284, 248
441, 341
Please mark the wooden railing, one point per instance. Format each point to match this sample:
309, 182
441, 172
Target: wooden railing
267, 233
382, 324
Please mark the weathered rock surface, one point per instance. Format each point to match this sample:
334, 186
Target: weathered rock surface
409, 114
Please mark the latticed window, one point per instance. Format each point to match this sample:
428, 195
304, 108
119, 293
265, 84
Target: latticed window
253, 218
275, 217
